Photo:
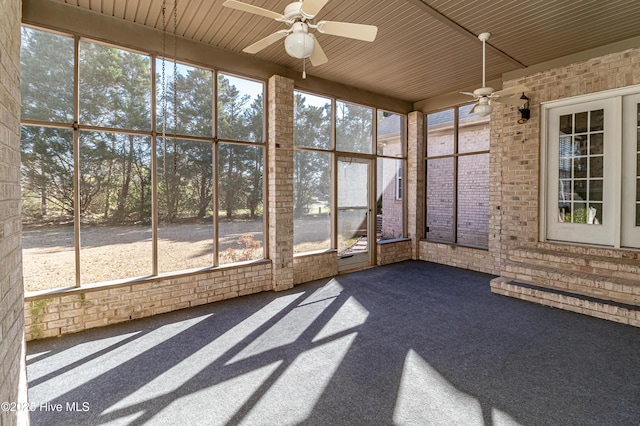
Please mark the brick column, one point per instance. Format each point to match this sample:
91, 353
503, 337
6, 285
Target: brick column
415, 181
280, 155
12, 376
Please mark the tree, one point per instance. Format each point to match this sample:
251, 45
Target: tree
46, 87
115, 92
354, 127
312, 125
239, 167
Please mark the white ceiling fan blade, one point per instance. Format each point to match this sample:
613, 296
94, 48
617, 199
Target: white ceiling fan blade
474, 108
310, 8
511, 101
265, 42
468, 94
234, 4
318, 56
349, 30
512, 90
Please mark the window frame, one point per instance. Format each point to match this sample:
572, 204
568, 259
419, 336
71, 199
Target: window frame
373, 156
454, 155
155, 133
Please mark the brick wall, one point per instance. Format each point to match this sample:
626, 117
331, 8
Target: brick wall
281, 199
415, 181
458, 256
515, 147
310, 267
12, 386
103, 305
393, 251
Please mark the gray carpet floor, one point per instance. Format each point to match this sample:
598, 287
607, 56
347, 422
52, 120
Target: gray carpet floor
412, 343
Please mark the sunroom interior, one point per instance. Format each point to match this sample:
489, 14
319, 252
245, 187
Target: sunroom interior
149, 165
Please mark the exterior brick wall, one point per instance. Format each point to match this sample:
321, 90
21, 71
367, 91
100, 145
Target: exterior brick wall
12, 386
103, 305
515, 147
314, 266
473, 198
393, 251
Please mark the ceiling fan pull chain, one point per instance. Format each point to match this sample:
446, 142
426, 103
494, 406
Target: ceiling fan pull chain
164, 89
304, 70
175, 85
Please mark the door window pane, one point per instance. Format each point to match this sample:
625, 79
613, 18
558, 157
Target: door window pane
115, 206
311, 121
581, 167
354, 125
312, 201
353, 207
115, 87
48, 249
185, 205
241, 226
240, 109
46, 76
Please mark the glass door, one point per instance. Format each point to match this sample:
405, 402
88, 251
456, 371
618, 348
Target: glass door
354, 213
630, 232
582, 181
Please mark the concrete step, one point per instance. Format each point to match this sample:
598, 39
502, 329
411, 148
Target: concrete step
586, 305
619, 264
602, 286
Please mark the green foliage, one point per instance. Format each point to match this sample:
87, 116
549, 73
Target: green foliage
114, 171
579, 216
312, 179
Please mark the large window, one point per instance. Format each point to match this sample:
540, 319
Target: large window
322, 134
111, 197
457, 169
312, 173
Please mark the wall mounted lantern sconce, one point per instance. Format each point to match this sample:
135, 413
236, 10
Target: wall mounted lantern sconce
525, 112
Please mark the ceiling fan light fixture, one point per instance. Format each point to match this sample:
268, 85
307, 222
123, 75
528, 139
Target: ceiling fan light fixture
482, 109
299, 45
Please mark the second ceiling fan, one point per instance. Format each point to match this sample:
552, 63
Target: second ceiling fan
485, 95
300, 17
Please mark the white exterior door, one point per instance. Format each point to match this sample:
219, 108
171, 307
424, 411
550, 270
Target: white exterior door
583, 158
630, 230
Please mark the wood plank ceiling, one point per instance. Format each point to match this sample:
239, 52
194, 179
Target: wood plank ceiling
424, 48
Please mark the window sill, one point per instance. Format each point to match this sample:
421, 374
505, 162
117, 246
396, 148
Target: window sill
106, 285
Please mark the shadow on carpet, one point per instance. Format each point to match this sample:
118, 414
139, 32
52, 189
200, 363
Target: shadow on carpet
412, 343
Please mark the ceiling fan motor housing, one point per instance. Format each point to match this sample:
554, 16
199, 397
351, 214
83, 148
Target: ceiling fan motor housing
293, 11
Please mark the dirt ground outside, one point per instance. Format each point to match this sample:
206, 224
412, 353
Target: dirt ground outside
111, 253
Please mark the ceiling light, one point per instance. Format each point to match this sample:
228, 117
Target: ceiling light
482, 109
299, 43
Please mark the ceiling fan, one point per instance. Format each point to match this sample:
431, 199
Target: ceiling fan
300, 16
486, 95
